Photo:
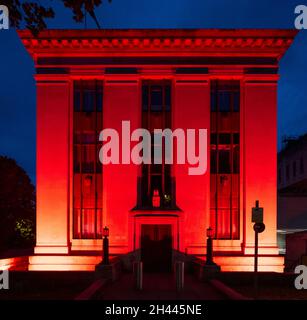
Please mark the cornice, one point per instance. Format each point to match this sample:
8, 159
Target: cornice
201, 42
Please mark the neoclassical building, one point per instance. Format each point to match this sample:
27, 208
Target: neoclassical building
224, 81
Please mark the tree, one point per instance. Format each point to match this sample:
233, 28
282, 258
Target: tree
34, 14
17, 204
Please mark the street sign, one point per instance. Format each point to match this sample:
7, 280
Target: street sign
257, 213
259, 227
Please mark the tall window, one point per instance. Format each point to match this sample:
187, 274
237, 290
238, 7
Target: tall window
87, 179
156, 114
225, 159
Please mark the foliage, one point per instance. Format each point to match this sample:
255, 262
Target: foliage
78, 8
31, 13
25, 231
34, 14
17, 203
167, 199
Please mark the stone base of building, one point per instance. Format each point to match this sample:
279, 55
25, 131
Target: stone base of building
63, 263
267, 263
15, 263
51, 249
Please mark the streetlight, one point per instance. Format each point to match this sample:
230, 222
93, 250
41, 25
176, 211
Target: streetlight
209, 260
105, 234
210, 268
210, 232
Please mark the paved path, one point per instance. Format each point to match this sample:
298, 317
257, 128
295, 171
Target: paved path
159, 287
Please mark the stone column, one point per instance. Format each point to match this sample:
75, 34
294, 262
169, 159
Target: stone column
52, 165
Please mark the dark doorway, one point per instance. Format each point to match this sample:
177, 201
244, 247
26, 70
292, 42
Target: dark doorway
156, 247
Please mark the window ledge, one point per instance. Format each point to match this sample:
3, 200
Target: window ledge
154, 210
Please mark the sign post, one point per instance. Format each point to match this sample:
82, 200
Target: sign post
259, 227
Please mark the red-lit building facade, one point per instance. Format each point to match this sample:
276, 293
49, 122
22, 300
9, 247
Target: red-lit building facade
224, 81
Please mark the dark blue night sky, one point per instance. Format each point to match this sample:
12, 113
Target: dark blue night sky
17, 87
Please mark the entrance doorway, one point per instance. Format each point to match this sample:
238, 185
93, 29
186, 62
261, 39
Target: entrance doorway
156, 247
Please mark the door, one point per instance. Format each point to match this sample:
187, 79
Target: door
156, 247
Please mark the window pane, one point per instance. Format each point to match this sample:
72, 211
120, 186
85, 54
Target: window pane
156, 183
224, 161
213, 138
223, 191
156, 98
88, 158
98, 162
77, 101
213, 103
156, 168
224, 101
213, 161
99, 223
236, 160
77, 190
223, 225
85, 137
168, 98
145, 98
236, 138
77, 158
236, 101
224, 138
145, 198
77, 223
235, 200
213, 193
88, 223
213, 222
235, 224
88, 101
99, 101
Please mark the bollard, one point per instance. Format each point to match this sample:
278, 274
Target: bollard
179, 275
138, 275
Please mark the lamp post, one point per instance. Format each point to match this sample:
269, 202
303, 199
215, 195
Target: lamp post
210, 268
105, 234
209, 260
